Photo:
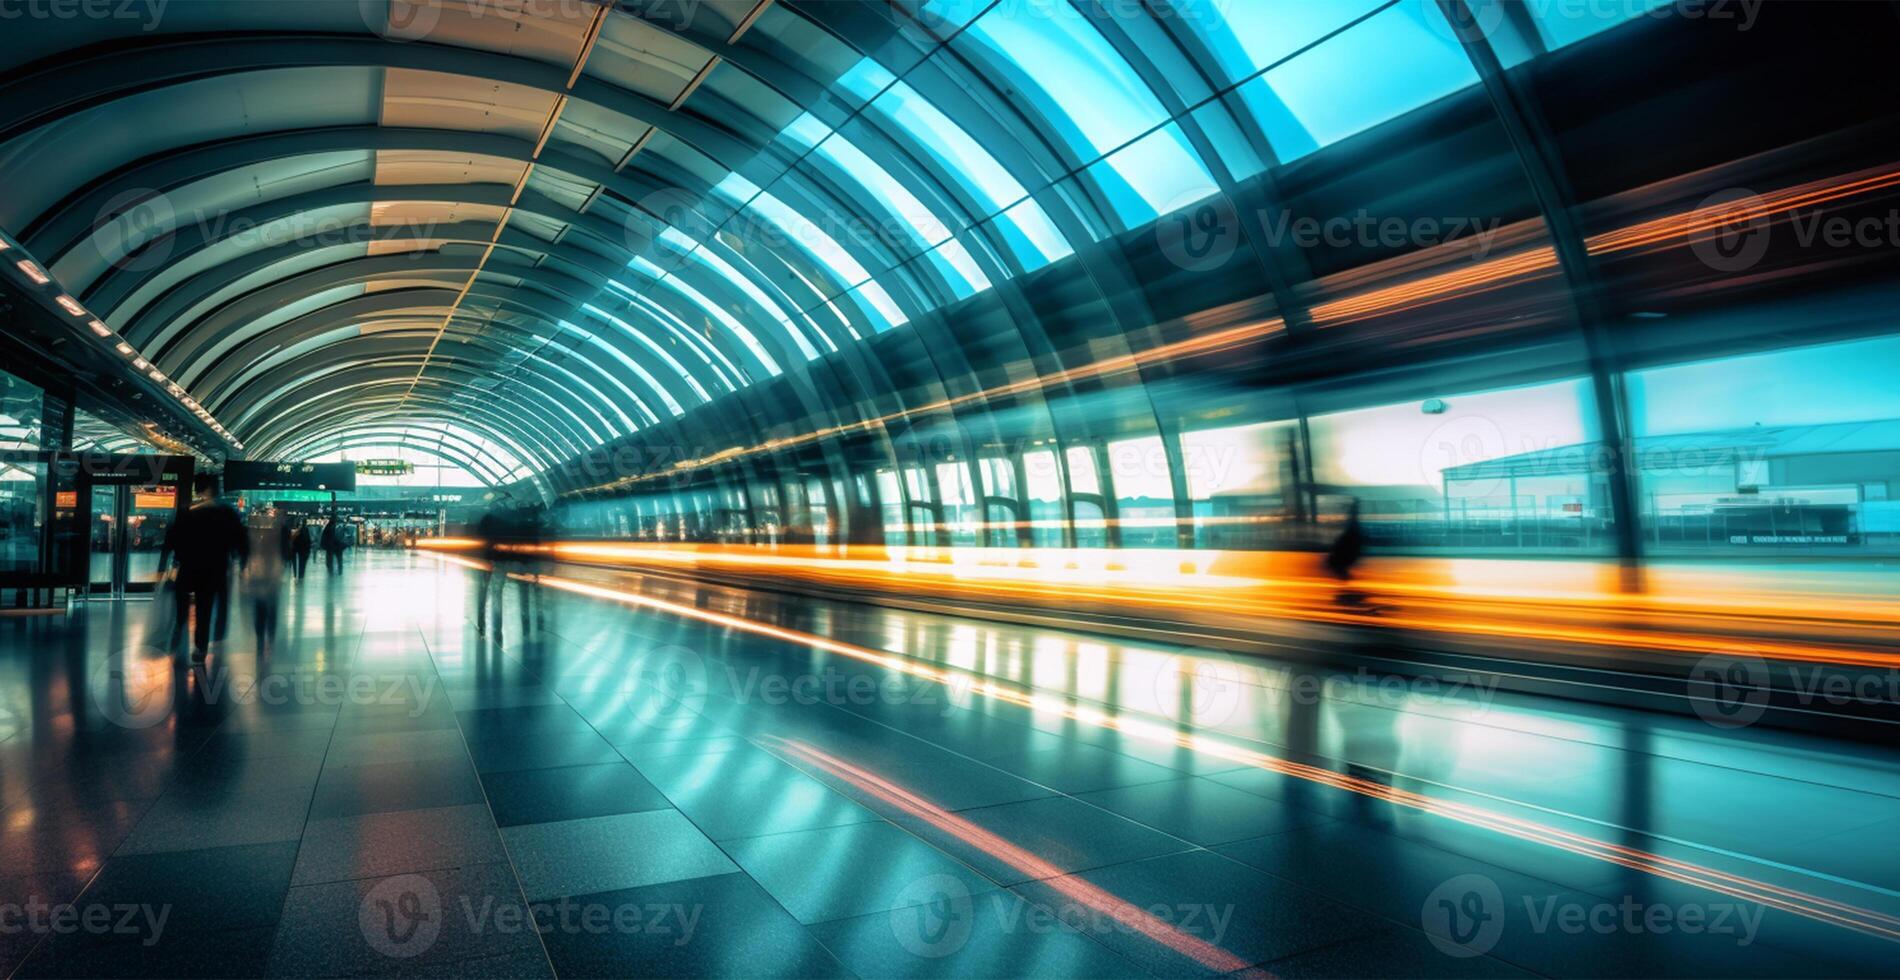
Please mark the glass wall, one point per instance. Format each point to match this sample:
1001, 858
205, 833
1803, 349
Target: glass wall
1793, 452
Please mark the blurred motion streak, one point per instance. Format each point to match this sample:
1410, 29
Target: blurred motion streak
1468, 598
1480, 276
1736, 886
1071, 886
1193, 346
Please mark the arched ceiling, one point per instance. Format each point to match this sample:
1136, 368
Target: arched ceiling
549, 224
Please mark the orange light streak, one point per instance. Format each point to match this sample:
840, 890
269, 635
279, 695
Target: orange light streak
1796, 902
1075, 889
1207, 344
1239, 587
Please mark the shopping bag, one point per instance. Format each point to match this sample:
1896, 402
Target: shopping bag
162, 625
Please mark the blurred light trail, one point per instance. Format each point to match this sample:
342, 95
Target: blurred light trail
1494, 600
1210, 343
1799, 903
1074, 888
1466, 278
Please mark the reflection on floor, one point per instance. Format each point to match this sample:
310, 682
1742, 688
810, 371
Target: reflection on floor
719, 782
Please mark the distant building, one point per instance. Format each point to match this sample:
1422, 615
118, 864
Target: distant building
1829, 488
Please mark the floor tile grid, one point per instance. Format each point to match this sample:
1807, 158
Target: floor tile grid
1677, 732
513, 872
555, 596
912, 832
166, 787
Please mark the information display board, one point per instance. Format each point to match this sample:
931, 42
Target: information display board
247, 474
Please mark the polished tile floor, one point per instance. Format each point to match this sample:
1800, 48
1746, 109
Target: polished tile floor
650, 778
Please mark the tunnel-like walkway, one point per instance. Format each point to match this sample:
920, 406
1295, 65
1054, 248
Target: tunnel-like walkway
636, 776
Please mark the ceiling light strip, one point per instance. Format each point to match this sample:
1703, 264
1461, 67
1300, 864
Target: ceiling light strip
39, 282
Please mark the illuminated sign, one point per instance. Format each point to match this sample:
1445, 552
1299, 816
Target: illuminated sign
154, 501
66, 499
384, 467
247, 474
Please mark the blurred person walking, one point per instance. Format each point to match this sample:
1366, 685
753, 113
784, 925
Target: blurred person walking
489, 531
270, 548
333, 545
204, 541
1344, 555
300, 547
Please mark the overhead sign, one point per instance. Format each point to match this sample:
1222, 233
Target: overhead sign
246, 474
384, 467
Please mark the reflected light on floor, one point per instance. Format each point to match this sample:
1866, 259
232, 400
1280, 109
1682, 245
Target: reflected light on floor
1692, 614
1035, 868
1736, 886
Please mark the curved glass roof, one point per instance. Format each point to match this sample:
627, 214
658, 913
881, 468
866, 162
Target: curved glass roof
508, 233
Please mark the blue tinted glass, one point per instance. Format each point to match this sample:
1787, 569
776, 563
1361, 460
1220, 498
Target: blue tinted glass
1072, 76
717, 312
628, 362
1253, 34
1389, 64
1155, 175
953, 148
1567, 23
1032, 237
895, 197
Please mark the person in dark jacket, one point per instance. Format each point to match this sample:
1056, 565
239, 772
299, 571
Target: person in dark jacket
204, 541
300, 546
333, 545
1345, 553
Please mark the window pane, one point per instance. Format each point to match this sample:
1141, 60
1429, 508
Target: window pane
1389, 64
1452, 473
1237, 479
1794, 452
1070, 73
1156, 175
1144, 494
